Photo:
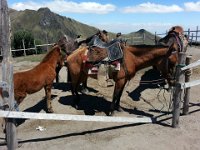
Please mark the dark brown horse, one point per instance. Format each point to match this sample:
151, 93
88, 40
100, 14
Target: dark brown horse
41, 76
175, 36
69, 45
134, 59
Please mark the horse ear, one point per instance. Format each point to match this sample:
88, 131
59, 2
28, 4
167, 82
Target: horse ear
98, 32
172, 29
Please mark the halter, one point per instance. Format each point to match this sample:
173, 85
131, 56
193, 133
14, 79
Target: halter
179, 39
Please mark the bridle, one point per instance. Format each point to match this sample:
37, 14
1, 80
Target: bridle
180, 40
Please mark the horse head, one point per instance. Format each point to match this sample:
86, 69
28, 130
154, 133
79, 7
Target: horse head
177, 42
175, 35
103, 35
67, 44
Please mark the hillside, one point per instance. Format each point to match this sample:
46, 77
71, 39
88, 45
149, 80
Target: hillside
48, 26
141, 37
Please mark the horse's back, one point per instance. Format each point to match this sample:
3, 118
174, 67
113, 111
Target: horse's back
34, 80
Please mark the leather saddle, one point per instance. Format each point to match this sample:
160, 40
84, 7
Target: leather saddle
101, 51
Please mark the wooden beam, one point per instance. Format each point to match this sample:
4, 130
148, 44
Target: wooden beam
190, 84
192, 65
44, 116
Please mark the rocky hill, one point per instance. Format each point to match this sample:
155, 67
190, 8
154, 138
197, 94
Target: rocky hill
48, 27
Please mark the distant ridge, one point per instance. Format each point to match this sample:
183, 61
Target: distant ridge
148, 37
48, 26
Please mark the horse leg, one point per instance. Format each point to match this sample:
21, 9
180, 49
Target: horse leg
84, 85
118, 90
69, 79
75, 82
48, 98
58, 68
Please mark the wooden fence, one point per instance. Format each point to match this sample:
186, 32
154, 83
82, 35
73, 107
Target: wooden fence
35, 48
183, 83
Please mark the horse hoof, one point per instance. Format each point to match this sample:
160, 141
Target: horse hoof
75, 106
111, 113
50, 110
85, 91
119, 109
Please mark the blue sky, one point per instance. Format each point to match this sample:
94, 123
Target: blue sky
122, 15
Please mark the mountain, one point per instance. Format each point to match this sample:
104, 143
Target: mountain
48, 26
141, 37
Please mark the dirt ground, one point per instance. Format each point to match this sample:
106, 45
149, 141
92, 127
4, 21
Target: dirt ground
136, 100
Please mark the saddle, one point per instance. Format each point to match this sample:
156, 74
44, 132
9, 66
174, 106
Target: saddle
103, 59
101, 51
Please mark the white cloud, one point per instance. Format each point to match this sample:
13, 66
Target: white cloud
152, 8
64, 6
192, 6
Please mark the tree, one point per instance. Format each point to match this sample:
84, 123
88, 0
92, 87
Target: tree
20, 37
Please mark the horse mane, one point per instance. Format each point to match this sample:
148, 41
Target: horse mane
50, 53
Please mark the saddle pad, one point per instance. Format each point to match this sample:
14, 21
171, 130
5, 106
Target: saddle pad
96, 54
114, 52
97, 42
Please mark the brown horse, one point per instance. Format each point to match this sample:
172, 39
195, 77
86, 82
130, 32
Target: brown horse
69, 45
134, 59
41, 76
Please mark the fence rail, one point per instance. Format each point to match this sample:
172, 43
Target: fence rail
33, 48
44, 116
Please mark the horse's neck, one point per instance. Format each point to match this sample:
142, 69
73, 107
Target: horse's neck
147, 56
52, 58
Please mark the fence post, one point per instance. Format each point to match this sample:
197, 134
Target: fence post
24, 47
178, 91
197, 35
192, 38
187, 90
7, 74
189, 33
35, 48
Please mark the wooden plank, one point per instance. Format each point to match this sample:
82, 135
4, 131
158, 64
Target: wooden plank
44, 116
192, 65
190, 84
